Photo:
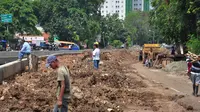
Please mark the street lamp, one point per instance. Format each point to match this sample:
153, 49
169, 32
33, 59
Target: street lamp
153, 34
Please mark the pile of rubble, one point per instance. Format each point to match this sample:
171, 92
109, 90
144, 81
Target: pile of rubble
107, 90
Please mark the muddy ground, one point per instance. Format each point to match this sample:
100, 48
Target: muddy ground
115, 87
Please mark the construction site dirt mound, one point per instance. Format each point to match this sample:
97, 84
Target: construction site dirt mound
108, 89
176, 66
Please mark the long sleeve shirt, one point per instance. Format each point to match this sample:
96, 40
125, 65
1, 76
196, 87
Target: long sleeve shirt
26, 48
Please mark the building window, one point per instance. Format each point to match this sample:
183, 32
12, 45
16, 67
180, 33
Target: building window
102, 11
106, 6
140, 4
122, 11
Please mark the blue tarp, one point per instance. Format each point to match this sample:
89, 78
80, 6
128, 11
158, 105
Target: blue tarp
3, 41
75, 47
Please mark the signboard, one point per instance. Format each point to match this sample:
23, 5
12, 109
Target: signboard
32, 38
6, 18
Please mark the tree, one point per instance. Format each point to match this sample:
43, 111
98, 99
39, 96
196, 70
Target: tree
24, 20
69, 16
172, 20
137, 24
112, 29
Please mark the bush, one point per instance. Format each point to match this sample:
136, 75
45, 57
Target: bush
116, 43
194, 45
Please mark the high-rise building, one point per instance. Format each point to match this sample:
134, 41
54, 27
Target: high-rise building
111, 7
138, 5
146, 5
129, 7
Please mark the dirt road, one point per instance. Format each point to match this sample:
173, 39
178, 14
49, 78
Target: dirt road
177, 84
117, 86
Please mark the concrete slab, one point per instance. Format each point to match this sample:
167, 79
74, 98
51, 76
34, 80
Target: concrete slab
12, 68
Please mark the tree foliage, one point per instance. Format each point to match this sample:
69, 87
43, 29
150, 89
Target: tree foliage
24, 20
138, 25
173, 20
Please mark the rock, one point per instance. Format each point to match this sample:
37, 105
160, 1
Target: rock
190, 108
109, 109
101, 63
77, 92
104, 74
2, 98
4, 83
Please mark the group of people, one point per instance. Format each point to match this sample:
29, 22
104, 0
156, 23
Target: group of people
63, 75
63, 79
148, 58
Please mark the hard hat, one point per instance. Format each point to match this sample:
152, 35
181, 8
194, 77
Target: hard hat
96, 43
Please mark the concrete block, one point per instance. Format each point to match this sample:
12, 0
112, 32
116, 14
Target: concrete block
12, 68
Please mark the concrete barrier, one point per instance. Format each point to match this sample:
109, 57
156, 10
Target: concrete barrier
12, 68
15, 67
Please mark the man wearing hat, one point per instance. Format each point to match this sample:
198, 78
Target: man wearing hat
26, 49
195, 76
64, 87
96, 55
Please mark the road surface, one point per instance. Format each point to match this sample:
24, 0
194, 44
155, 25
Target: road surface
178, 84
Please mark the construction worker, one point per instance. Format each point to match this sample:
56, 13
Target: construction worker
63, 88
96, 55
195, 76
150, 57
26, 49
189, 65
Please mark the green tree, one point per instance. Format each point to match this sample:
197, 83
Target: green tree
172, 20
116, 43
138, 25
24, 20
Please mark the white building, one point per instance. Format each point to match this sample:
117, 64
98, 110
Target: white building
138, 5
111, 7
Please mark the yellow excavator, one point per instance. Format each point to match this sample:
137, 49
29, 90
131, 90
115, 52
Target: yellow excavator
147, 47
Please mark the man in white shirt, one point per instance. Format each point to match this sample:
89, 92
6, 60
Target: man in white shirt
96, 55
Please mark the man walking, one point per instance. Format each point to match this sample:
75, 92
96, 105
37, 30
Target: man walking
195, 76
64, 86
150, 57
96, 55
26, 49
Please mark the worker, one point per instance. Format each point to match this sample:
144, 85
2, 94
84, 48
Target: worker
189, 65
26, 49
140, 55
195, 76
96, 55
63, 88
150, 57
173, 50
